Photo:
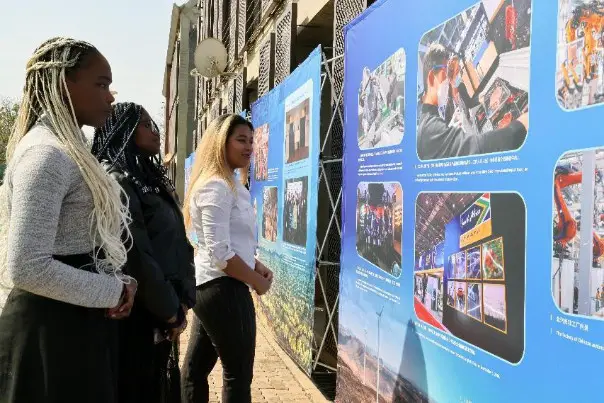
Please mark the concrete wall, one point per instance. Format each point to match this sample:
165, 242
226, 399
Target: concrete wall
186, 100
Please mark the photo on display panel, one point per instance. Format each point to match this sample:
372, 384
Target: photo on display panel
379, 223
493, 265
460, 296
475, 301
580, 54
577, 266
451, 294
473, 260
473, 79
382, 104
297, 132
269, 213
483, 237
429, 291
495, 306
459, 268
261, 152
295, 211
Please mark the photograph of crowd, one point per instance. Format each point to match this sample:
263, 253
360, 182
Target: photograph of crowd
580, 56
577, 271
269, 214
382, 104
297, 132
261, 152
379, 225
295, 211
495, 306
473, 81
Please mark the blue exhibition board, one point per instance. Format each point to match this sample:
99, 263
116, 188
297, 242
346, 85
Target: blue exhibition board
285, 177
464, 278
188, 167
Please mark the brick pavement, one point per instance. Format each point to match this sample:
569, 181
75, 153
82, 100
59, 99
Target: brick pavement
276, 377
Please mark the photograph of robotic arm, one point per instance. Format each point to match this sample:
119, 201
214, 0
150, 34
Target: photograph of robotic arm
566, 224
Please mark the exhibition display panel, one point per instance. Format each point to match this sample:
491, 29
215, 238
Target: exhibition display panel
284, 189
472, 264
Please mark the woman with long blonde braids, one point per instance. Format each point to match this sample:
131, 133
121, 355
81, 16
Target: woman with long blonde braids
62, 236
218, 208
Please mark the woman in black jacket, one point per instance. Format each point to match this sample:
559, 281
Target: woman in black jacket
160, 258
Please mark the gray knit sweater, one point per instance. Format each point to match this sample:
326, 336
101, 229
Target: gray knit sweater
50, 209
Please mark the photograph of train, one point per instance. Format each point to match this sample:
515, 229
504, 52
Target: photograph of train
580, 55
473, 81
578, 211
382, 104
469, 271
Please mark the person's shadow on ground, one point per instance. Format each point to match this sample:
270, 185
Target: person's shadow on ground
412, 382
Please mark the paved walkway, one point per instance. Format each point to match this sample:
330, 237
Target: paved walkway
276, 377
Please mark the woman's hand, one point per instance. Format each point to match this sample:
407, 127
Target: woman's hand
262, 285
173, 334
123, 308
264, 271
266, 278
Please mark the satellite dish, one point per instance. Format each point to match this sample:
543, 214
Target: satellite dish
210, 58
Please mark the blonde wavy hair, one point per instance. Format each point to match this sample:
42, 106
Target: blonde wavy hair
211, 159
46, 93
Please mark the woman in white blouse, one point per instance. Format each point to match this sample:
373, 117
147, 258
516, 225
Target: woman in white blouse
218, 208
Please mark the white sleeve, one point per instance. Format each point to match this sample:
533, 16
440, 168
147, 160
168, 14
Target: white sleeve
214, 203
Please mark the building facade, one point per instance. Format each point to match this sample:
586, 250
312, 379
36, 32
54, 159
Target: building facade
179, 91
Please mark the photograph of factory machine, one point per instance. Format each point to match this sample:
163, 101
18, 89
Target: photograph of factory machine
382, 103
487, 66
577, 271
580, 56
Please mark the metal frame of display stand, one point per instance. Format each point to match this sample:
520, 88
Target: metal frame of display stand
325, 162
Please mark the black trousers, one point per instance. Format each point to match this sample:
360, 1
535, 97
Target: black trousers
224, 326
142, 363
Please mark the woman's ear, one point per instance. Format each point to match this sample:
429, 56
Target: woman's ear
430, 79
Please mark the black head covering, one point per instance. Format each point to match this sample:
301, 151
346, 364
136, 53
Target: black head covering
114, 146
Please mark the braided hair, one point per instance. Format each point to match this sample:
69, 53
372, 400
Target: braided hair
114, 144
46, 94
